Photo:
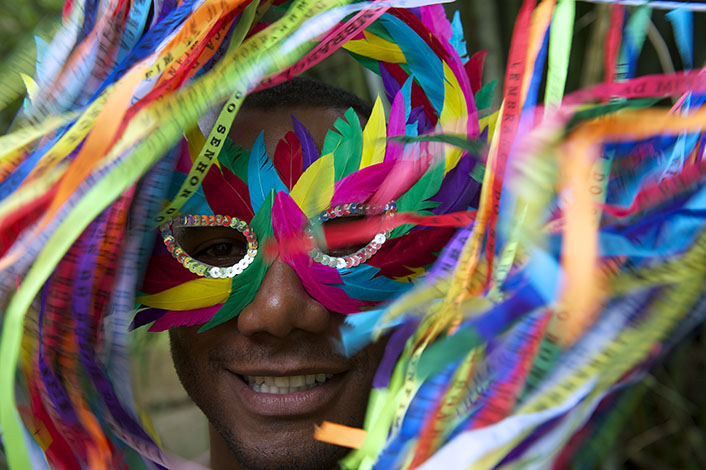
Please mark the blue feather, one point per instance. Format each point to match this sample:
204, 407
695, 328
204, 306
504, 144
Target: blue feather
424, 64
457, 40
360, 283
262, 176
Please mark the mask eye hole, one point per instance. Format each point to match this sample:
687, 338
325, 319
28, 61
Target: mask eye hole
352, 255
345, 250
211, 246
217, 246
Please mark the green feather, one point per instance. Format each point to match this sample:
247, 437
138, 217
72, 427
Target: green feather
346, 145
244, 285
474, 147
235, 158
416, 199
484, 97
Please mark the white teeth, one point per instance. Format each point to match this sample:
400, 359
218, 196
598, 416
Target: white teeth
296, 381
282, 381
288, 384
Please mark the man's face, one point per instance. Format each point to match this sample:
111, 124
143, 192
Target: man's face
265, 378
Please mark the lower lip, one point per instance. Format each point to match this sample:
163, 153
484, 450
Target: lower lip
287, 404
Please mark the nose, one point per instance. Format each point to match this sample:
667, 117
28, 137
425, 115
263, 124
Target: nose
282, 306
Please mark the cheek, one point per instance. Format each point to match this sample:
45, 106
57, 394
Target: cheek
190, 361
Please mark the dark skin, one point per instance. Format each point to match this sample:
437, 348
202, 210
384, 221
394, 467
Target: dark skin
283, 332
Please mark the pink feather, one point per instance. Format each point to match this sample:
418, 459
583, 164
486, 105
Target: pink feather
400, 179
434, 18
359, 186
318, 280
174, 318
396, 127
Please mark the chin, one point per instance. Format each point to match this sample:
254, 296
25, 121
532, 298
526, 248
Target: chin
281, 450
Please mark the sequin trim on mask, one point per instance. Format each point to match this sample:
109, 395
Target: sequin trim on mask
363, 254
200, 268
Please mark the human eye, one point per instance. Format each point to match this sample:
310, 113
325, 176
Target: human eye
351, 254
211, 246
216, 250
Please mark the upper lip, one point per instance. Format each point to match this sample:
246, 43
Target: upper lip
279, 372
288, 367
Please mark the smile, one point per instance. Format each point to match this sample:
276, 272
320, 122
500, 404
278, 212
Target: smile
284, 385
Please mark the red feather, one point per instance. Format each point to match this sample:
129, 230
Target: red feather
227, 194
474, 68
288, 159
164, 272
410, 251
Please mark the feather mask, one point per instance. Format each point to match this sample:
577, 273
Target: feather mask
357, 173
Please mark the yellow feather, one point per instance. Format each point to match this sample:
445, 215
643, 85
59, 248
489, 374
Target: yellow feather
314, 190
376, 48
490, 122
374, 137
30, 85
454, 116
198, 293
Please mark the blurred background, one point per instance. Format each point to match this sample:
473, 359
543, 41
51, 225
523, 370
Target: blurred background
662, 424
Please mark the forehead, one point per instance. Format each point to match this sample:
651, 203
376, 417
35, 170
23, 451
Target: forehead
276, 122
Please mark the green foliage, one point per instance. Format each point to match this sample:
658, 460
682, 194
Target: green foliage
20, 22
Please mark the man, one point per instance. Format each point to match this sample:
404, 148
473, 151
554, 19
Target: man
266, 369
284, 338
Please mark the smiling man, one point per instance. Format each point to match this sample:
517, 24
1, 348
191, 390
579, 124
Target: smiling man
255, 338
265, 378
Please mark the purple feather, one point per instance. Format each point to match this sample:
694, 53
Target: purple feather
360, 185
309, 152
391, 85
458, 188
395, 127
394, 349
418, 115
146, 316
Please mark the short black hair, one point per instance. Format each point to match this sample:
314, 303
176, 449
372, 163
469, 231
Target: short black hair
303, 91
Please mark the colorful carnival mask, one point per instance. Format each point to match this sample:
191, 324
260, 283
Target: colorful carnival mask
210, 261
